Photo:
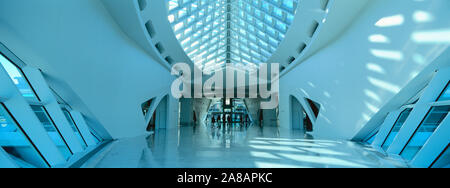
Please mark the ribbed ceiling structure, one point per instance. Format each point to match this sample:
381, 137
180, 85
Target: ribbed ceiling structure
243, 32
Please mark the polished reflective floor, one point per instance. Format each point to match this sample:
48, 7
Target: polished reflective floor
240, 146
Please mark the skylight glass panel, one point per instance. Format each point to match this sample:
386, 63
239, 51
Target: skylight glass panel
242, 32
173, 4
289, 4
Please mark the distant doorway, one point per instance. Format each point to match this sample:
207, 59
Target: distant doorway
229, 111
159, 116
299, 118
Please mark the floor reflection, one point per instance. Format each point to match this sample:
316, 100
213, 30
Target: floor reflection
250, 146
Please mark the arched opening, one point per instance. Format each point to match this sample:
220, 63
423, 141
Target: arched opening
159, 116
299, 118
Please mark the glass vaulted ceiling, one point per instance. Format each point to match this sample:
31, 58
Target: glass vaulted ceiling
242, 32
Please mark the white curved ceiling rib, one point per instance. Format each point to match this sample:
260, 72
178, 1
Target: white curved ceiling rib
242, 32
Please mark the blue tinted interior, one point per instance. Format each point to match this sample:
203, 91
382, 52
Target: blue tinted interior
445, 96
443, 161
371, 138
424, 132
256, 29
52, 130
74, 128
15, 143
18, 78
396, 128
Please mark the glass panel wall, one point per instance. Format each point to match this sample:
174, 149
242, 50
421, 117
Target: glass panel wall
27, 91
14, 141
75, 128
97, 138
243, 32
443, 161
424, 131
52, 130
371, 138
396, 128
445, 96
18, 78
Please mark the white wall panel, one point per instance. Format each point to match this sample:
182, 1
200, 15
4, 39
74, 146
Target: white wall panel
88, 58
389, 44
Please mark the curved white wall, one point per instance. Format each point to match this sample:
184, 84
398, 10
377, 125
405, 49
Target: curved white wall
380, 53
92, 63
329, 15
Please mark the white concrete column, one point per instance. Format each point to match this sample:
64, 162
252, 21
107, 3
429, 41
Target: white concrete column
161, 114
172, 112
83, 127
285, 111
423, 107
187, 112
386, 128
435, 145
54, 110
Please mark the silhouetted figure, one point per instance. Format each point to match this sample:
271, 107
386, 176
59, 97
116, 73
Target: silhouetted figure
213, 121
261, 118
195, 119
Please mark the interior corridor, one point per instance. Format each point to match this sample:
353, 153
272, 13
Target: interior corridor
207, 146
224, 83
